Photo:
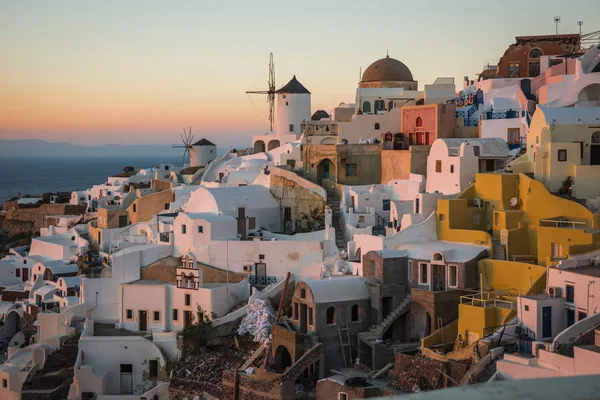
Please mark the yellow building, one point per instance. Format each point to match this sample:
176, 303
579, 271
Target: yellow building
495, 304
139, 205
562, 143
527, 222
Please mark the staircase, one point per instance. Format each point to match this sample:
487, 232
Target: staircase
376, 332
334, 204
498, 252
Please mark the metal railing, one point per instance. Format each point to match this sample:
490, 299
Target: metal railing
562, 223
261, 280
510, 114
487, 299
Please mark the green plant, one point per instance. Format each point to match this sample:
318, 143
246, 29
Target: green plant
196, 334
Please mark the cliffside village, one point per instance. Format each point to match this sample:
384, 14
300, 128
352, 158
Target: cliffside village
414, 240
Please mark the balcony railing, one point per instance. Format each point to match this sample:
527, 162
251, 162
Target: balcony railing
164, 237
562, 223
500, 114
488, 299
261, 280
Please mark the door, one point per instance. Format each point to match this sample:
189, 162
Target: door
303, 318
287, 221
546, 322
570, 317
99, 238
595, 154
241, 221
187, 318
25, 274
122, 221
126, 379
143, 320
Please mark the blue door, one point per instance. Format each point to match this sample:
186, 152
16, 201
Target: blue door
547, 322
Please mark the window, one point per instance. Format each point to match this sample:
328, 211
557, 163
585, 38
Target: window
410, 270
476, 219
514, 70
310, 316
156, 316
451, 169
562, 155
200, 229
423, 273
296, 311
476, 151
153, 367
361, 218
419, 122
513, 136
570, 317
129, 313
570, 295
390, 105
535, 53
452, 275
18, 272
166, 167
386, 205
355, 313
287, 104
287, 213
526, 308
252, 223
4, 383
134, 207
379, 105
372, 267
438, 166
175, 314
377, 126
581, 315
261, 256
366, 107
183, 229
291, 127
188, 300
330, 316
350, 169
342, 396
302, 293
442, 217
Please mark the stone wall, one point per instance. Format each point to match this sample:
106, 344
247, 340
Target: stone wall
307, 205
330, 389
399, 164
427, 372
32, 219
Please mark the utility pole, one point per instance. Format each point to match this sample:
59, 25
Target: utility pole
556, 22
580, 24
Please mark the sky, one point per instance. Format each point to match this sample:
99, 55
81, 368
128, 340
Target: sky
138, 71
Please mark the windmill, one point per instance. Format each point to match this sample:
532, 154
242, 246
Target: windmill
187, 139
270, 92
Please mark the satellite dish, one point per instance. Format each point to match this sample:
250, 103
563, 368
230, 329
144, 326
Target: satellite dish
514, 201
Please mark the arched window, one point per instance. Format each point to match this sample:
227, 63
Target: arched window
377, 126
535, 53
330, 316
355, 313
596, 137
366, 107
419, 122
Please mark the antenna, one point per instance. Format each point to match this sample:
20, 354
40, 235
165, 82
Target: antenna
580, 24
270, 92
187, 139
556, 22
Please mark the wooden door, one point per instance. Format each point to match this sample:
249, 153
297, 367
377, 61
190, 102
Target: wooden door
143, 321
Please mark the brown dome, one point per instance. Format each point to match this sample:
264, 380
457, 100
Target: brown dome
387, 69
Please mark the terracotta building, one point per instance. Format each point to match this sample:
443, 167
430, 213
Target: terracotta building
423, 124
522, 59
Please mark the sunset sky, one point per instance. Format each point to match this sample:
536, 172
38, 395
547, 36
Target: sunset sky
94, 72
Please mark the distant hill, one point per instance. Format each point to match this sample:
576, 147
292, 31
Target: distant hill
41, 148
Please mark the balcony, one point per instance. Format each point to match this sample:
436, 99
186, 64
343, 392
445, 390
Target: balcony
510, 114
261, 280
561, 222
488, 299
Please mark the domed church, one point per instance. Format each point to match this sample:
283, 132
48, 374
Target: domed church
386, 84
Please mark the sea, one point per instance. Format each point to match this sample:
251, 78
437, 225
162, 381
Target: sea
39, 175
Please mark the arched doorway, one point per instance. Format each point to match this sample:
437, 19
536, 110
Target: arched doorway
12, 324
595, 149
259, 146
283, 359
273, 144
325, 170
590, 95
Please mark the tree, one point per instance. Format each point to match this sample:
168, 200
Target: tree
197, 333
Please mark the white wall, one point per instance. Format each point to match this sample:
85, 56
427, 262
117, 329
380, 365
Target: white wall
586, 298
291, 109
446, 182
530, 311
201, 156
148, 297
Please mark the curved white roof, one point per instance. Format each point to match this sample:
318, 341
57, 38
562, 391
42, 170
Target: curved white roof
490, 147
570, 115
228, 198
452, 251
338, 289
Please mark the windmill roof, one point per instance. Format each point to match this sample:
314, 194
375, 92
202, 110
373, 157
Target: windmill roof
204, 142
293, 86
